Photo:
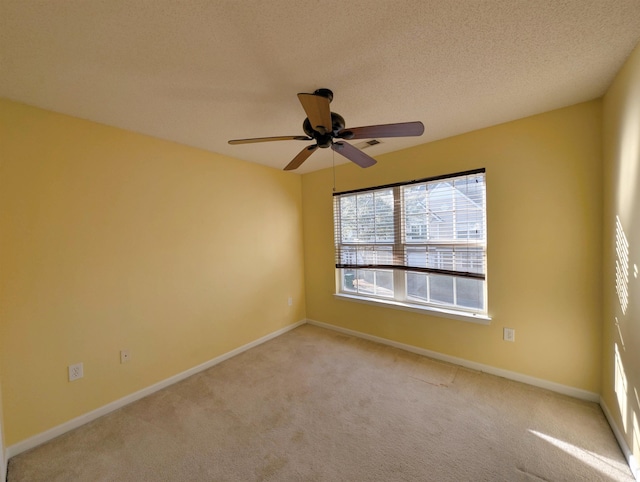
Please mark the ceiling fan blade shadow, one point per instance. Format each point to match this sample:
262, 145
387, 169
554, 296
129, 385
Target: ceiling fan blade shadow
301, 157
317, 109
269, 139
353, 154
402, 129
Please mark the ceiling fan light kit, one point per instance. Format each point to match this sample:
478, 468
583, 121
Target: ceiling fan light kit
324, 127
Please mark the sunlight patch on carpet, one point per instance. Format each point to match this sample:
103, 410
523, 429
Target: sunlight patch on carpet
599, 462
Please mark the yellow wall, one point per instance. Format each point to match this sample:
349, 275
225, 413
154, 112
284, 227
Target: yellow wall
544, 209
621, 143
113, 240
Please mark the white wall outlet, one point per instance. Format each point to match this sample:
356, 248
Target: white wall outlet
290, 301
509, 334
76, 371
125, 356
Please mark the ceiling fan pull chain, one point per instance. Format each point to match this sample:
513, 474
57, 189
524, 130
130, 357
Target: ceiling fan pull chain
333, 157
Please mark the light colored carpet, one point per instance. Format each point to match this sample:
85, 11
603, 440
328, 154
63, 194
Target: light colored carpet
315, 405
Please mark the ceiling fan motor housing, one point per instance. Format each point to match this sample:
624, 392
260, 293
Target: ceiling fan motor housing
324, 140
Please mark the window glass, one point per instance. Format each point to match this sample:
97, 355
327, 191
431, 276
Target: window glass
420, 242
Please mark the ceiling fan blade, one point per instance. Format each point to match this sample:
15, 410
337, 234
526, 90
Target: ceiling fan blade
269, 139
353, 154
301, 157
402, 129
317, 109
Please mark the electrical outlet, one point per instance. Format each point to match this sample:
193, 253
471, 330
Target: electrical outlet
290, 301
125, 356
75, 371
509, 334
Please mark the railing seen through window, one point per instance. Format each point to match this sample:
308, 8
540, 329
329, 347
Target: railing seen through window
420, 242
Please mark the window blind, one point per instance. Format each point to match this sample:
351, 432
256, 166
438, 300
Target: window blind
435, 225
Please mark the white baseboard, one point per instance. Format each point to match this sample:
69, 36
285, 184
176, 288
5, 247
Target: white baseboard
90, 416
631, 460
110, 407
519, 377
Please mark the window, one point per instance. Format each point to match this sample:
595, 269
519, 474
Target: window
415, 243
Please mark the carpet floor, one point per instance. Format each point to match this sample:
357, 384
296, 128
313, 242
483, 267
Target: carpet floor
316, 405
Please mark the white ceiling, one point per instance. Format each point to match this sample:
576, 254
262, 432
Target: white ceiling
203, 72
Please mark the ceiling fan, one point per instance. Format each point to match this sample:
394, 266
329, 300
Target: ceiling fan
325, 127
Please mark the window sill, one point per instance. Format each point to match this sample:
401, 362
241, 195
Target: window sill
425, 310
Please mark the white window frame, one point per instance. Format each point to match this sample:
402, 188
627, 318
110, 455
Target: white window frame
400, 299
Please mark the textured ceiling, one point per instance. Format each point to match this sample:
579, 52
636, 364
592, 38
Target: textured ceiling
203, 72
